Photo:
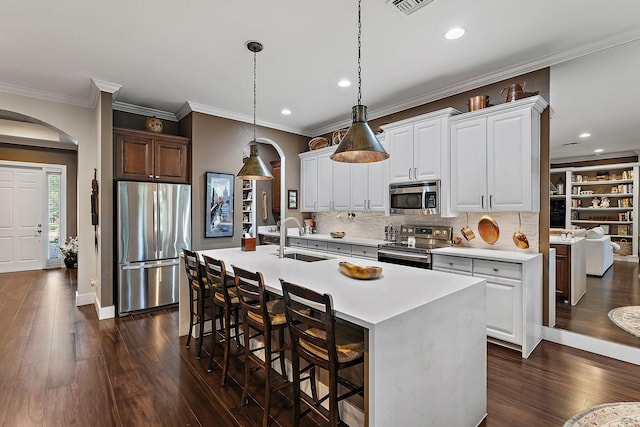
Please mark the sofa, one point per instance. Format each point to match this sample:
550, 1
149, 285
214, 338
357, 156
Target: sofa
599, 254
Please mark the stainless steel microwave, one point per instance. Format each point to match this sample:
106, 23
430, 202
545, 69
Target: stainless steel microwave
422, 198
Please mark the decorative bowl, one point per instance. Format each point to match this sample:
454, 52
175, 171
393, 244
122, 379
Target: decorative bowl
337, 234
318, 143
360, 272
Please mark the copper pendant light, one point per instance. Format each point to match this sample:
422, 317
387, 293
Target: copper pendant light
359, 145
254, 168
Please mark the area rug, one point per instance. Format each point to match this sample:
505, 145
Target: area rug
627, 318
621, 414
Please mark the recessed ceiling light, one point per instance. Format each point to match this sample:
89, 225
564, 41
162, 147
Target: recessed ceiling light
584, 135
454, 33
285, 112
598, 150
344, 83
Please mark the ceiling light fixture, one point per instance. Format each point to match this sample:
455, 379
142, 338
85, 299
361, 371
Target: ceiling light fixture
584, 135
254, 168
344, 83
359, 145
285, 112
598, 150
454, 33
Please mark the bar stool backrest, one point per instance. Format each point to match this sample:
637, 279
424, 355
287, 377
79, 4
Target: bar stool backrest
192, 267
216, 273
251, 292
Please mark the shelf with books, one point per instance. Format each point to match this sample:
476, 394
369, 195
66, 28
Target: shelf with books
248, 207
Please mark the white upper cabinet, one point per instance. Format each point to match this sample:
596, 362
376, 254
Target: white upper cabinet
495, 158
326, 185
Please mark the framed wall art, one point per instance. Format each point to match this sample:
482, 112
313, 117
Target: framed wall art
219, 205
292, 198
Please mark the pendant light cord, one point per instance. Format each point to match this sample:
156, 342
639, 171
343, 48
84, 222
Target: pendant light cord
254, 96
359, 46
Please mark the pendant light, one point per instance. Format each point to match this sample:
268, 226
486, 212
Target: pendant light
254, 168
359, 145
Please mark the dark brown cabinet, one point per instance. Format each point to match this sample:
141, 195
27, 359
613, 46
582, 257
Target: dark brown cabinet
275, 187
563, 271
146, 156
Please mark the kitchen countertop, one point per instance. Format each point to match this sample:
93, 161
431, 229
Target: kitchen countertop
424, 327
497, 255
326, 237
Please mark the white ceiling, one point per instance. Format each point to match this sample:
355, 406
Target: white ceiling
165, 53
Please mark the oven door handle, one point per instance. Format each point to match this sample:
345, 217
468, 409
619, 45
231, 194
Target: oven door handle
404, 255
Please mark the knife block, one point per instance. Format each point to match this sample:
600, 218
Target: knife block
248, 244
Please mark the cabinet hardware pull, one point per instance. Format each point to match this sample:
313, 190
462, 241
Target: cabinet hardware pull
150, 176
415, 173
482, 201
495, 269
409, 174
491, 201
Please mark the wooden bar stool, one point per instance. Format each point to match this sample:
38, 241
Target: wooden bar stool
316, 338
264, 317
199, 308
224, 304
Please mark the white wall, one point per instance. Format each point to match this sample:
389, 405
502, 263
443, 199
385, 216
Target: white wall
81, 124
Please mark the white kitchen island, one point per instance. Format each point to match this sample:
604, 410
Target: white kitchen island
426, 342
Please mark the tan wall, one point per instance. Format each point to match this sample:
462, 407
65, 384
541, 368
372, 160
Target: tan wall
217, 145
68, 158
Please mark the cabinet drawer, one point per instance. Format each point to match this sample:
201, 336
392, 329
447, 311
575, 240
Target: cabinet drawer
339, 248
452, 263
297, 242
562, 249
317, 245
364, 251
507, 270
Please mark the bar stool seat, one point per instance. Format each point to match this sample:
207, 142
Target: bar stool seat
232, 294
276, 311
349, 344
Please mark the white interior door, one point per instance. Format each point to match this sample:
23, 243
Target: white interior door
21, 218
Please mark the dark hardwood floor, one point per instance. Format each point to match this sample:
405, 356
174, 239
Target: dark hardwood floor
60, 366
620, 286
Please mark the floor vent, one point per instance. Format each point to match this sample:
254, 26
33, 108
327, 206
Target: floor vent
407, 7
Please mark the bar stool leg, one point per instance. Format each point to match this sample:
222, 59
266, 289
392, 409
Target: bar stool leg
283, 369
267, 382
247, 343
227, 345
201, 323
190, 322
295, 363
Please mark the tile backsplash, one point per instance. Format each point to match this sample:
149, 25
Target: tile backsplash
371, 225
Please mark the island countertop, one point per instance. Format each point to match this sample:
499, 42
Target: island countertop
425, 334
363, 302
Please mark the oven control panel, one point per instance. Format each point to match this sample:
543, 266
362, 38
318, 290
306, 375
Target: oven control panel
422, 232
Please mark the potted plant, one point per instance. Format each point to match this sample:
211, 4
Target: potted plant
69, 250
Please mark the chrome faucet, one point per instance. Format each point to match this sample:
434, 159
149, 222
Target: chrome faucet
283, 233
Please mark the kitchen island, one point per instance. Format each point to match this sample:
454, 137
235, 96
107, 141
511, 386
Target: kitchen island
425, 330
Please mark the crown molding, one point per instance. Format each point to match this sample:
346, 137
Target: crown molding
195, 107
144, 111
98, 86
44, 95
591, 157
555, 58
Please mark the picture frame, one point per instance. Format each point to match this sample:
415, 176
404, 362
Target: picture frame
218, 204
292, 199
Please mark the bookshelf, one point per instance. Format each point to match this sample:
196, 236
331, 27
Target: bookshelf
249, 207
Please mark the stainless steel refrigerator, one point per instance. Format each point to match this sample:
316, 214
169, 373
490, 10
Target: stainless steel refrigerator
154, 225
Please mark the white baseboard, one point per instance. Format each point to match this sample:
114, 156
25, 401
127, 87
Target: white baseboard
108, 312
85, 299
594, 345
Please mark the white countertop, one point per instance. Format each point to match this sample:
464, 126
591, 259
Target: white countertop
326, 237
497, 255
367, 303
557, 240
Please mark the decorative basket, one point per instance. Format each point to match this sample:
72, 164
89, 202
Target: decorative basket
338, 135
625, 247
318, 143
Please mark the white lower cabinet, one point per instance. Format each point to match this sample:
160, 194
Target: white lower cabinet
339, 248
514, 294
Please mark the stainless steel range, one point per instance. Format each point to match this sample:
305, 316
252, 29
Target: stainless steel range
414, 244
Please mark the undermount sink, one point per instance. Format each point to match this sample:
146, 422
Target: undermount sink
304, 257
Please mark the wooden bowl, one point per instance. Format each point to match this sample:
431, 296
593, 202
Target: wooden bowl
318, 143
337, 234
360, 272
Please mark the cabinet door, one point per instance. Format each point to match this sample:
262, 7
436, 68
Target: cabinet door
563, 271
341, 186
308, 184
134, 158
509, 161
469, 165
325, 182
171, 161
401, 153
360, 186
427, 150
504, 310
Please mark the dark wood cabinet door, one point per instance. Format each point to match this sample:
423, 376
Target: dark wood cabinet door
275, 186
134, 157
171, 161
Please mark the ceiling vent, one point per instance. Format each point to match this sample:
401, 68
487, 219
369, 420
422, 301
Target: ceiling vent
407, 7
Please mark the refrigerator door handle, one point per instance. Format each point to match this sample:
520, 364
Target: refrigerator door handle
143, 265
156, 221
